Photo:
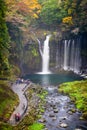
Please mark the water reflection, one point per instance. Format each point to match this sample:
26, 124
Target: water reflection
52, 79
45, 80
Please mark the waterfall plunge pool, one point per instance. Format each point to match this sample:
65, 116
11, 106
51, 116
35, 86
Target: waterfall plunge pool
52, 79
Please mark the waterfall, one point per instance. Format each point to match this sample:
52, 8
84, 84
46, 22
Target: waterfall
69, 58
66, 54
45, 56
77, 61
72, 57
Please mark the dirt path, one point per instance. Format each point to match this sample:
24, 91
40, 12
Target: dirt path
19, 89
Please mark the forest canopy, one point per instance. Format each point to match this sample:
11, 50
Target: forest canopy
69, 12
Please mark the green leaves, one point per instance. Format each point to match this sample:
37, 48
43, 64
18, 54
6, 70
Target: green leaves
77, 90
51, 12
54, 11
4, 40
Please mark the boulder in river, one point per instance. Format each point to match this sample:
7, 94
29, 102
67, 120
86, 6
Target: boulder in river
54, 118
63, 125
42, 120
51, 115
55, 110
45, 129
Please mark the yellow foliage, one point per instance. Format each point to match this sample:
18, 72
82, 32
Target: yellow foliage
69, 11
67, 20
25, 7
38, 11
35, 15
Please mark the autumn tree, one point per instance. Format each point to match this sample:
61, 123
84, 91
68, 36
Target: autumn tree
76, 13
19, 10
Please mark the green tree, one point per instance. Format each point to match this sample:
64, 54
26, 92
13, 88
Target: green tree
4, 40
51, 12
76, 9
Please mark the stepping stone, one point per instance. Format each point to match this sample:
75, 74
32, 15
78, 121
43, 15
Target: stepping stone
45, 129
51, 115
63, 125
70, 112
64, 118
54, 118
55, 110
73, 110
42, 120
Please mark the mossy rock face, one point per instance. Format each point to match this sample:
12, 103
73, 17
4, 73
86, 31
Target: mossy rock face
7, 102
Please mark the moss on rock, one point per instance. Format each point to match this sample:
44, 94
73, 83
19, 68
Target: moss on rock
78, 93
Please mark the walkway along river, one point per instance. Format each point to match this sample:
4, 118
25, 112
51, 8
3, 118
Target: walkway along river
60, 112
20, 89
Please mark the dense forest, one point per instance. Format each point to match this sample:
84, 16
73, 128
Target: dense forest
19, 18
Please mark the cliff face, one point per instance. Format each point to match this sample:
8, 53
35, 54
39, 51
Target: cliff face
69, 53
31, 61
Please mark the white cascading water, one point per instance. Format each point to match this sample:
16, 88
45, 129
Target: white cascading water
66, 54
45, 56
72, 56
77, 61
72, 60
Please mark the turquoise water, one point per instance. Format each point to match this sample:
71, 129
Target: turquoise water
52, 79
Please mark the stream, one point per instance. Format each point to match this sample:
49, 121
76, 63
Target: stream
60, 113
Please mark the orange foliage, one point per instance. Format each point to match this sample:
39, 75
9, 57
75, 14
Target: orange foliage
30, 7
23, 7
67, 20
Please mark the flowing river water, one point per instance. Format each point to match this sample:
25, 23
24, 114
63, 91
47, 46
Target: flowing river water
60, 113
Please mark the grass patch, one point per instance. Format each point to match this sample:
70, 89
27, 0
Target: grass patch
7, 102
77, 91
43, 94
36, 126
